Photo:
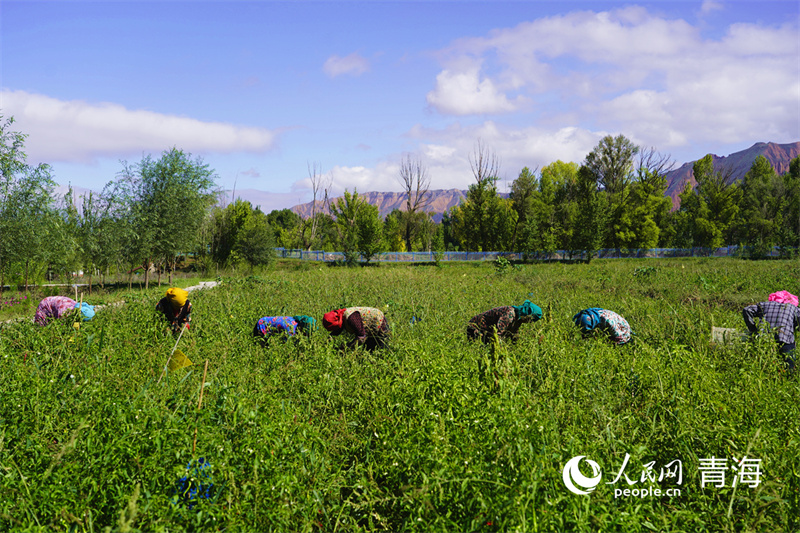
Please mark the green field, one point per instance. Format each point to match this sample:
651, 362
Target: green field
434, 433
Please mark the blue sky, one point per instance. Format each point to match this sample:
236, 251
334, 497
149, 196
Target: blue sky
261, 90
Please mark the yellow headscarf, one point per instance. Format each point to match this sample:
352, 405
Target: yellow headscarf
177, 297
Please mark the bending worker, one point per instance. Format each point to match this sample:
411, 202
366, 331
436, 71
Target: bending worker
608, 322
782, 318
504, 320
286, 326
367, 325
55, 307
176, 307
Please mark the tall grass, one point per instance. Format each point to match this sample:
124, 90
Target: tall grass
433, 434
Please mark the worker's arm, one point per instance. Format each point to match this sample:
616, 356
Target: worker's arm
184, 312
750, 313
356, 326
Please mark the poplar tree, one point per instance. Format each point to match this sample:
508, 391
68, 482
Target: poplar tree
592, 217
789, 231
711, 208
761, 217
359, 227
256, 242
416, 183
484, 221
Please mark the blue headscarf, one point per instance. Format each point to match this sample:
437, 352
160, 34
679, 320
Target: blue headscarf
588, 319
86, 310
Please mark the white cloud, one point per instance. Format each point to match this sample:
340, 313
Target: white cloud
515, 148
745, 41
464, 93
710, 6
79, 131
251, 173
353, 64
654, 79
436, 152
381, 177
560, 84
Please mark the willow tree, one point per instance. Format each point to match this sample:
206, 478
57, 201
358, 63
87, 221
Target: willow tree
168, 200
28, 220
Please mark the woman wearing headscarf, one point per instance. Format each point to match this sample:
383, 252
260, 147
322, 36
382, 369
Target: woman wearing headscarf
367, 325
55, 307
608, 322
504, 320
285, 326
176, 307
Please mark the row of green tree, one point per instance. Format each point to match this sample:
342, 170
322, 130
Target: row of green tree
614, 199
159, 211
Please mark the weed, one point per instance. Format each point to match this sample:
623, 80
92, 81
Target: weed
503, 265
645, 271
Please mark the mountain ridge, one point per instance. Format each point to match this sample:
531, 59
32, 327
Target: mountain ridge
737, 163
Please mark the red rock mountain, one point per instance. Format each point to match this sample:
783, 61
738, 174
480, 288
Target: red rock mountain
738, 163
441, 201
780, 155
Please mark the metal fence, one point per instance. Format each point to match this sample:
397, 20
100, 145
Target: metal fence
560, 255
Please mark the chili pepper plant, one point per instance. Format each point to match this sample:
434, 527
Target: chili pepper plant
434, 433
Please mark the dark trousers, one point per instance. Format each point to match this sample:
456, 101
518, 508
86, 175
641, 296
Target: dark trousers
788, 351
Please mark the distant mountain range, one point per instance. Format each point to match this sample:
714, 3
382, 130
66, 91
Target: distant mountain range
441, 201
780, 155
738, 163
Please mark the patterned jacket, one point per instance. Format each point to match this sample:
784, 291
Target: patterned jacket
365, 322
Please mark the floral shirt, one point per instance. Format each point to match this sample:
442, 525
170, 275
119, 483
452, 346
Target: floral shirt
273, 325
53, 307
502, 319
617, 327
365, 322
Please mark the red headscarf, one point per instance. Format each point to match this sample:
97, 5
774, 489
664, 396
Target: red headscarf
333, 320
